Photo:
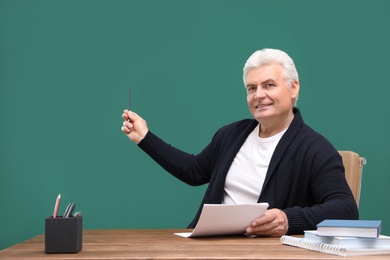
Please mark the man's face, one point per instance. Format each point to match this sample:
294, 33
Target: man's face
268, 95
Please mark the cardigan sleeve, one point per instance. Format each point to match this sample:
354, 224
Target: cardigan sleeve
189, 168
323, 192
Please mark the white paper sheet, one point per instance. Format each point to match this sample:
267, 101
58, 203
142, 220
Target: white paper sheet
221, 219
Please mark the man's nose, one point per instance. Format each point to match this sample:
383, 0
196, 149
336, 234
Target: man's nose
259, 93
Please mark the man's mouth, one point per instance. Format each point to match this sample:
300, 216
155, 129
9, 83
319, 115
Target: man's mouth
262, 106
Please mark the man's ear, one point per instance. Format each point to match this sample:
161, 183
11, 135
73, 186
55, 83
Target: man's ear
295, 89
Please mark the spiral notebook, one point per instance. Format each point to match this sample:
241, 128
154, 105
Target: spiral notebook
332, 249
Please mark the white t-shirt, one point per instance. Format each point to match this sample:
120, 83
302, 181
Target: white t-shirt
246, 175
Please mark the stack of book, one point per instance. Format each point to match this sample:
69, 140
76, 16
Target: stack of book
344, 237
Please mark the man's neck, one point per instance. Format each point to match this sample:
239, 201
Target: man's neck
271, 127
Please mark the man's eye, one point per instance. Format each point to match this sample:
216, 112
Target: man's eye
251, 89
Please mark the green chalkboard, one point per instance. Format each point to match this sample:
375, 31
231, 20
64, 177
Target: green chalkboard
66, 68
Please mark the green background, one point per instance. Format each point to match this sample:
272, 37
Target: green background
66, 68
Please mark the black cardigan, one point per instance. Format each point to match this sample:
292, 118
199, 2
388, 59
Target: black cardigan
305, 177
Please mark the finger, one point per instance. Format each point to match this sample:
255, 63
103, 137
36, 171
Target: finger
261, 228
125, 114
263, 223
133, 116
125, 130
127, 126
266, 218
276, 224
264, 230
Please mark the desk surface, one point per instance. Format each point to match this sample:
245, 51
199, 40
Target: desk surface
164, 244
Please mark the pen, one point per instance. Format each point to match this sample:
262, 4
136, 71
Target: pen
69, 210
56, 206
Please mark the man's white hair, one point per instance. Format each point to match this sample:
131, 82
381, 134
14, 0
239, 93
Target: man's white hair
267, 56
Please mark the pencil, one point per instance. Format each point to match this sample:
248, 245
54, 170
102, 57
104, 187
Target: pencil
129, 100
56, 206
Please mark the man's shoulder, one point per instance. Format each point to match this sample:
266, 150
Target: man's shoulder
303, 129
311, 140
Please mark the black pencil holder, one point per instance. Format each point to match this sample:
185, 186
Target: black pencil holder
63, 235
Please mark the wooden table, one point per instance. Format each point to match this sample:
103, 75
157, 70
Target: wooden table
164, 244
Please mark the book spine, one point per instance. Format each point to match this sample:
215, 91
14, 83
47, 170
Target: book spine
313, 246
